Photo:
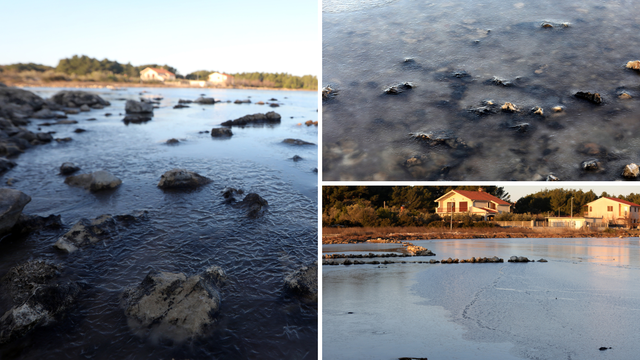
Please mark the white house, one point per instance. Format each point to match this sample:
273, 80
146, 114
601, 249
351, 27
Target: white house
156, 74
471, 202
220, 78
614, 211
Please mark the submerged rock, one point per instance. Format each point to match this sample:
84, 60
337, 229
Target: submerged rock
11, 204
96, 181
439, 137
172, 141
31, 223
631, 171
269, 118
38, 298
594, 98
68, 168
246, 101
329, 93
205, 101
172, 305
87, 232
590, 165
6, 165
181, 178
221, 132
230, 194
520, 259
398, 88
296, 142
254, 204
304, 282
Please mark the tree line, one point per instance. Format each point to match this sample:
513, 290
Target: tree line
260, 79
381, 205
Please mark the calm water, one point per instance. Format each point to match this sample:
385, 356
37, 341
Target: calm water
185, 231
585, 297
366, 133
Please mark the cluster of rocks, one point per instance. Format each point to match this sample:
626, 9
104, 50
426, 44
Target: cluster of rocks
268, 118
385, 241
296, 142
520, 259
415, 250
38, 295
18, 105
423, 252
304, 282
473, 260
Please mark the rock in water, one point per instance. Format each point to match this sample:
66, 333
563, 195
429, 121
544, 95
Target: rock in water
221, 132
635, 65
39, 299
78, 99
173, 305
87, 232
11, 204
96, 181
398, 88
254, 204
138, 111
181, 178
205, 100
6, 165
269, 118
631, 171
304, 282
68, 168
594, 98
296, 142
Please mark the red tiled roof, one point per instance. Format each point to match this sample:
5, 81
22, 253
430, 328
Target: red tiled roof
622, 201
477, 195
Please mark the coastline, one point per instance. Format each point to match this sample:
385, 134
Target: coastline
397, 235
117, 85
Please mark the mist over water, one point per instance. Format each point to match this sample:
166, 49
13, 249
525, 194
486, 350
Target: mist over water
184, 231
455, 49
585, 297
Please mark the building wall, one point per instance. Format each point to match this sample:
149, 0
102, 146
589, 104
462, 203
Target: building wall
600, 209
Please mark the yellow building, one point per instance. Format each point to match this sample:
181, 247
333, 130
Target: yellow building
614, 211
156, 74
471, 202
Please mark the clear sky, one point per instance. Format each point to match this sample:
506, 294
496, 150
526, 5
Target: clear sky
228, 36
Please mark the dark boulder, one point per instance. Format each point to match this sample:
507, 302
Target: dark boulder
68, 168
72, 98
38, 296
230, 194
96, 181
32, 223
254, 204
221, 132
296, 142
6, 165
304, 282
268, 118
11, 204
174, 306
594, 98
205, 101
182, 179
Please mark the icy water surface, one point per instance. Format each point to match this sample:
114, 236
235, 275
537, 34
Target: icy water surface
584, 298
184, 231
451, 51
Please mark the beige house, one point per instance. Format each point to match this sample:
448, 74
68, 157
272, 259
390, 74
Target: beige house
217, 78
156, 74
614, 211
471, 202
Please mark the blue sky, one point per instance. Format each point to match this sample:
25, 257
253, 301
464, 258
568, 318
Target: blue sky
228, 36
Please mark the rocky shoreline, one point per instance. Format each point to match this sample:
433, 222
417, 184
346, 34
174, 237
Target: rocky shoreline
168, 305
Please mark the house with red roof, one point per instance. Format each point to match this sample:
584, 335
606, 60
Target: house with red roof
471, 202
614, 211
156, 74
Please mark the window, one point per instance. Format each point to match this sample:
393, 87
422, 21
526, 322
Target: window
463, 206
451, 207
590, 208
610, 208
